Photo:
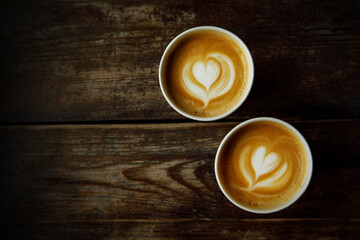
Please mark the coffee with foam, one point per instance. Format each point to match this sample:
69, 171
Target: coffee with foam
263, 165
205, 73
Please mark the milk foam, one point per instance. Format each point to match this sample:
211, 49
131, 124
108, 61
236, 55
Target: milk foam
206, 74
261, 164
199, 77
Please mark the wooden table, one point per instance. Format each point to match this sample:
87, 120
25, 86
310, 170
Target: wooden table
90, 149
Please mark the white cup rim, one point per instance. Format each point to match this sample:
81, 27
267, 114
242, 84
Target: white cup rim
250, 77
307, 177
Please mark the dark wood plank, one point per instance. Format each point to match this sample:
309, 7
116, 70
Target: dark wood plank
91, 173
98, 60
197, 229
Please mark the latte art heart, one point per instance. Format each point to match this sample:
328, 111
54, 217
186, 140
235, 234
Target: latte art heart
206, 75
206, 80
262, 165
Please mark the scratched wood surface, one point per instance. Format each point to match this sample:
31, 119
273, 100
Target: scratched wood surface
89, 148
98, 60
157, 180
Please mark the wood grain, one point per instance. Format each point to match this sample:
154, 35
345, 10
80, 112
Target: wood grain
137, 169
69, 61
197, 229
148, 180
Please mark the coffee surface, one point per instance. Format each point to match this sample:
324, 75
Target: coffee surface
206, 73
263, 165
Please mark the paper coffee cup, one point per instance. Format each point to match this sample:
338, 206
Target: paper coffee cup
206, 73
263, 165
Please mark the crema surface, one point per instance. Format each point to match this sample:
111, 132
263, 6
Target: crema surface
206, 74
263, 165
